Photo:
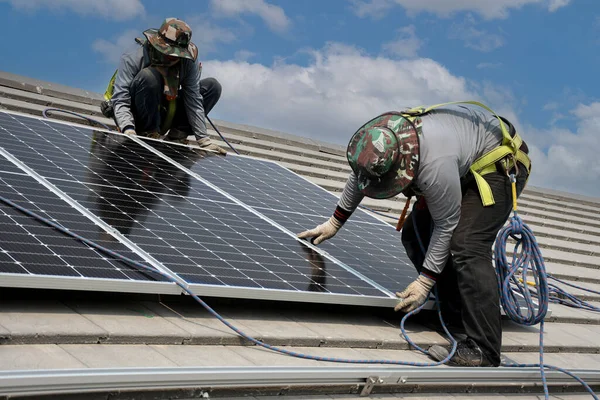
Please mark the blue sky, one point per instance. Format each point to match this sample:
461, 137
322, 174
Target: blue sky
321, 68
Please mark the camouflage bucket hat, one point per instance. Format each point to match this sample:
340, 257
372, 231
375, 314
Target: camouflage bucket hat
384, 155
173, 38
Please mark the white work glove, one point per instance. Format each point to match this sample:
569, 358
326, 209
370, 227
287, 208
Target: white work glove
206, 144
415, 294
130, 132
325, 231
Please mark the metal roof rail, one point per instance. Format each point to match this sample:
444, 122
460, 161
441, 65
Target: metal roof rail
362, 379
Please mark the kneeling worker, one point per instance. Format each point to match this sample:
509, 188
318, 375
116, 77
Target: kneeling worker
157, 88
456, 160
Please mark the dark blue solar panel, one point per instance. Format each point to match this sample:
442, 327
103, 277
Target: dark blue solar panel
192, 229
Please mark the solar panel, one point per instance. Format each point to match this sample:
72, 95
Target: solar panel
208, 238
365, 243
29, 247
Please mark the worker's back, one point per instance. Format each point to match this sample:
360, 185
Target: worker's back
458, 131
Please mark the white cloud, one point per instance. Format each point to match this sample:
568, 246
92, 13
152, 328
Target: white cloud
489, 9
114, 9
372, 8
556, 4
406, 45
566, 159
243, 55
550, 106
272, 15
207, 36
328, 99
112, 51
474, 38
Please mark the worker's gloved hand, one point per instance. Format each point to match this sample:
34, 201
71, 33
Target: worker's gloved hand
107, 109
129, 132
415, 294
325, 231
206, 144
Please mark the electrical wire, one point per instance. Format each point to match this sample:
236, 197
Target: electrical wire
45, 114
222, 137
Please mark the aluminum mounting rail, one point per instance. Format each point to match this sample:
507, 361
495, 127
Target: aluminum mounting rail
53, 382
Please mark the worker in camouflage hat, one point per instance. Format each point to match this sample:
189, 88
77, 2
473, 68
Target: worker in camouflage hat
384, 155
158, 89
429, 156
173, 39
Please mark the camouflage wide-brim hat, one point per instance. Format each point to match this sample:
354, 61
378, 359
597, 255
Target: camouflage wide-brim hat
384, 155
173, 38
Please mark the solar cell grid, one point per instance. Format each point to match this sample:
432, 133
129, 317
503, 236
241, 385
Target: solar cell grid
31, 247
82, 155
190, 228
265, 185
366, 244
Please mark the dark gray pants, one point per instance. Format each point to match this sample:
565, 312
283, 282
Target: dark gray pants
148, 103
468, 286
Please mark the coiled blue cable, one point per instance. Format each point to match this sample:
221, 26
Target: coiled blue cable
527, 261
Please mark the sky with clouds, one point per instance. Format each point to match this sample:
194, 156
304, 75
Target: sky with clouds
321, 69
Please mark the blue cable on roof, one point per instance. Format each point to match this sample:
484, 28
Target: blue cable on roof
527, 260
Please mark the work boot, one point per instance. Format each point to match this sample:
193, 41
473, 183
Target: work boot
177, 136
467, 354
206, 144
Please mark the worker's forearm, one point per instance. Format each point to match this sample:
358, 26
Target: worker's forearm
351, 196
438, 251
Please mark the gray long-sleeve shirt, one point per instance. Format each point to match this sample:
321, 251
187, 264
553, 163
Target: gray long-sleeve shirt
131, 64
453, 138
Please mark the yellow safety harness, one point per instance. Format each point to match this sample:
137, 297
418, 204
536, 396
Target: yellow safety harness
508, 153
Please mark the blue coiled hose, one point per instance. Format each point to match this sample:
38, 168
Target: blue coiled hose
527, 261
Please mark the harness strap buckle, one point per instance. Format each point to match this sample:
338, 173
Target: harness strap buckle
508, 167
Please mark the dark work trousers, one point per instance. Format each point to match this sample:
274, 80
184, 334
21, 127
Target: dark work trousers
149, 105
468, 285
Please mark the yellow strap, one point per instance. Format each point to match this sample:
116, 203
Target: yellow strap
514, 194
169, 117
111, 86
487, 197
